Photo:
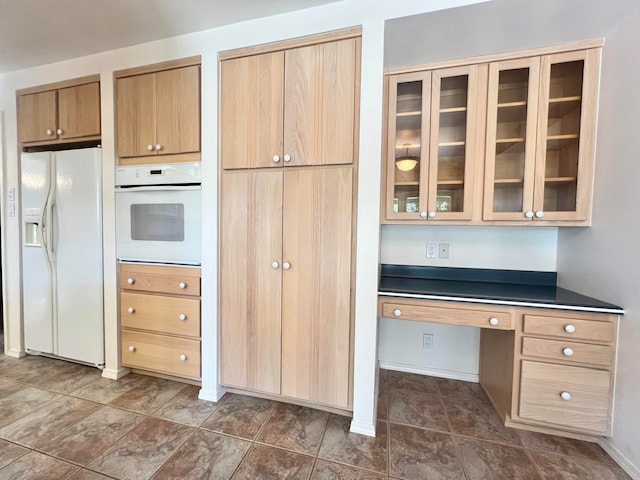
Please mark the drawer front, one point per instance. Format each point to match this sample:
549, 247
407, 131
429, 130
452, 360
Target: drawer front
563, 350
571, 328
148, 282
453, 316
175, 315
573, 397
161, 353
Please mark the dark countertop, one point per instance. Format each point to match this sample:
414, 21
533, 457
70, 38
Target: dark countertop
502, 287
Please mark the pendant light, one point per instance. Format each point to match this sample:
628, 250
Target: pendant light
406, 162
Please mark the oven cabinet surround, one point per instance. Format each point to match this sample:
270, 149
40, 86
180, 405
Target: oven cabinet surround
506, 139
160, 319
287, 219
59, 113
158, 113
544, 369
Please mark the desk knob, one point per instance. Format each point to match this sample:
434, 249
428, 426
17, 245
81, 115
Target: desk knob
565, 396
494, 321
397, 312
567, 352
569, 328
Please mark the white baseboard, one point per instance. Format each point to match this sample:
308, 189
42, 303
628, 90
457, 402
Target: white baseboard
12, 352
113, 374
632, 470
212, 395
433, 372
363, 428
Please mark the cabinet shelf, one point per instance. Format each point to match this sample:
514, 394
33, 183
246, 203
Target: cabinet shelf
560, 180
409, 114
522, 103
453, 110
557, 142
562, 106
508, 182
451, 182
407, 184
451, 144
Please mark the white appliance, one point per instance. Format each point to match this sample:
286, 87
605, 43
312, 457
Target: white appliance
158, 213
62, 254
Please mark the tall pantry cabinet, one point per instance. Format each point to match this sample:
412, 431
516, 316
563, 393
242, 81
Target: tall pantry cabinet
289, 122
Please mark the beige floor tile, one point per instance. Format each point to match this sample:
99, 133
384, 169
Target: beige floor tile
268, 463
36, 466
186, 408
240, 416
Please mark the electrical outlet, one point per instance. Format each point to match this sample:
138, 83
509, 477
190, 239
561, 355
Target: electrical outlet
443, 250
427, 340
432, 250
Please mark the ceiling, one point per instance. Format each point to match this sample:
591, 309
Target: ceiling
37, 32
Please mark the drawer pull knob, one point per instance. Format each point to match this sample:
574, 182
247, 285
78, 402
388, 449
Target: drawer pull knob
275, 265
49, 132
397, 312
423, 214
494, 321
150, 147
131, 310
276, 158
183, 357
432, 214
528, 214
132, 348
130, 281
182, 285
286, 265
182, 317
59, 131
569, 328
287, 157
565, 396
567, 352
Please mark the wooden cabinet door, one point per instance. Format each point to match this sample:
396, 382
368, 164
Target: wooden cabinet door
321, 98
512, 113
79, 111
136, 115
177, 110
566, 135
37, 116
251, 279
316, 307
251, 106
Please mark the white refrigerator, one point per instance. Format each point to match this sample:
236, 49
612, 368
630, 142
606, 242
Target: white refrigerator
62, 254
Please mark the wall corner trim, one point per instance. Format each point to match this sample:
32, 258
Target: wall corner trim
12, 352
632, 470
212, 395
363, 428
113, 374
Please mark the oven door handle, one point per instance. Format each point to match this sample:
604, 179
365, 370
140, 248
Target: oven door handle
158, 188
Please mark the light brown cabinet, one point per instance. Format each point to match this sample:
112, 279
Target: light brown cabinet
292, 107
160, 319
59, 113
287, 227
158, 113
506, 139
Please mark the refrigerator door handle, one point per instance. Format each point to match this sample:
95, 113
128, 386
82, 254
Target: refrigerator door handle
48, 234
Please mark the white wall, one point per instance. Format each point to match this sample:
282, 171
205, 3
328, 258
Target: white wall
455, 349
603, 261
371, 15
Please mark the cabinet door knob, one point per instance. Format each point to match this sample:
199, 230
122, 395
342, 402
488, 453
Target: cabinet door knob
183, 357
528, 214
567, 352
432, 214
276, 158
570, 328
130, 281
150, 147
539, 214
158, 147
287, 157
275, 265
182, 285
182, 317
131, 310
286, 265
132, 348
423, 214
397, 312
49, 131
494, 321
59, 131
565, 396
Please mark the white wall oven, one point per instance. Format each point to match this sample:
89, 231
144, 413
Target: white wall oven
158, 213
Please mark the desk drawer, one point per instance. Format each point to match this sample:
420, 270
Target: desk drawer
570, 351
471, 317
570, 328
174, 315
172, 355
573, 397
160, 279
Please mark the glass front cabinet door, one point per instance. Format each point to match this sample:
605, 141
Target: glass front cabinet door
431, 144
540, 137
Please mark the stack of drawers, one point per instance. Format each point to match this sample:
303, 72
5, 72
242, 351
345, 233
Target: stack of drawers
160, 319
566, 366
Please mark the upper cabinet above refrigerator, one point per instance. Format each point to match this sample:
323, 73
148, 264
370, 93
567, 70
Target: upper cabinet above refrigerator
158, 113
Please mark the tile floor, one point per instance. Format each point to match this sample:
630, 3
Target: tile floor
61, 420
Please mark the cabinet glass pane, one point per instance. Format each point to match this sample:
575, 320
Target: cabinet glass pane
563, 136
511, 128
406, 197
452, 134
